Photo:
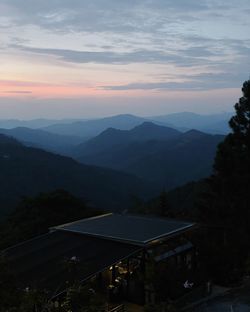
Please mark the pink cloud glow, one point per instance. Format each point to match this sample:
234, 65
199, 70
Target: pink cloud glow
15, 88
9, 88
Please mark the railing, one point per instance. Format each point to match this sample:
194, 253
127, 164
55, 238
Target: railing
120, 308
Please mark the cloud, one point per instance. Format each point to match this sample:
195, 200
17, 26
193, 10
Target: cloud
186, 57
21, 83
18, 92
111, 15
190, 36
200, 82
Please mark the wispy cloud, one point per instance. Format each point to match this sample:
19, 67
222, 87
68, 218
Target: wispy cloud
95, 15
185, 57
201, 82
24, 83
18, 92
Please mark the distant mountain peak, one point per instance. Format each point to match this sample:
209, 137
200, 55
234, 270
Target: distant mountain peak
194, 134
146, 124
111, 130
149, 126
194, 131
126, 115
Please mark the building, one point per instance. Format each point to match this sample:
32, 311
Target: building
115, 252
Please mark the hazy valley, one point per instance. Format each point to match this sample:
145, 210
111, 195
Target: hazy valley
115, 158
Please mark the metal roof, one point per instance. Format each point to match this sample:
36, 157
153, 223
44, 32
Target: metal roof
137, 230
42, 262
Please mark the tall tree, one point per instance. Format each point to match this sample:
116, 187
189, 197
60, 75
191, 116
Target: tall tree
227, 206
164, 206
232, 166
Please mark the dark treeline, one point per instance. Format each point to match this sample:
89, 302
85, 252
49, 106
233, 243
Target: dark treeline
35, 215
225, 207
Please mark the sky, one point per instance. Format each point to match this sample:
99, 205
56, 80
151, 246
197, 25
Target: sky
82, 58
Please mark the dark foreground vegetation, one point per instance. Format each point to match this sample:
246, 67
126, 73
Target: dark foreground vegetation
222, 208
220, 203
34, 216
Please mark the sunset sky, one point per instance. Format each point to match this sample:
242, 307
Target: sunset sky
79, 58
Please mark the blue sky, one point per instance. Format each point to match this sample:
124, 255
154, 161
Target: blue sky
72, 58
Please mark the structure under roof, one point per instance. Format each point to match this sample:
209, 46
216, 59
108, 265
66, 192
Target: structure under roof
43, 261
96, 243
136, 230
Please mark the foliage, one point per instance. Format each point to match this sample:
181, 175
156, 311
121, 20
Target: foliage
159, 205
14, 299
232, 165
182, 202
248, 265
9, 294
82, 298
34, 300
163, 307
35, 215
225, 208
78, 298
164, 206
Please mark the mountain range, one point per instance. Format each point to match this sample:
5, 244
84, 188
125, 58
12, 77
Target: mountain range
214, 123
114, 157
61, 144
87, 128
112, 139
27, 171
67, 133
91, 128
165, 156
33, 123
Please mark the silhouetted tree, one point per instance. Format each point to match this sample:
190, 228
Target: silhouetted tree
35, 215
164, 206
232, 168
226, 207
9, 293
232, 163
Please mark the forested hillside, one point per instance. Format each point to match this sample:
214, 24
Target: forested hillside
28, 171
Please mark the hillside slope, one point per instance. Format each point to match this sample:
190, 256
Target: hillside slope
115, 139
168, 163
43, 139
27, 171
